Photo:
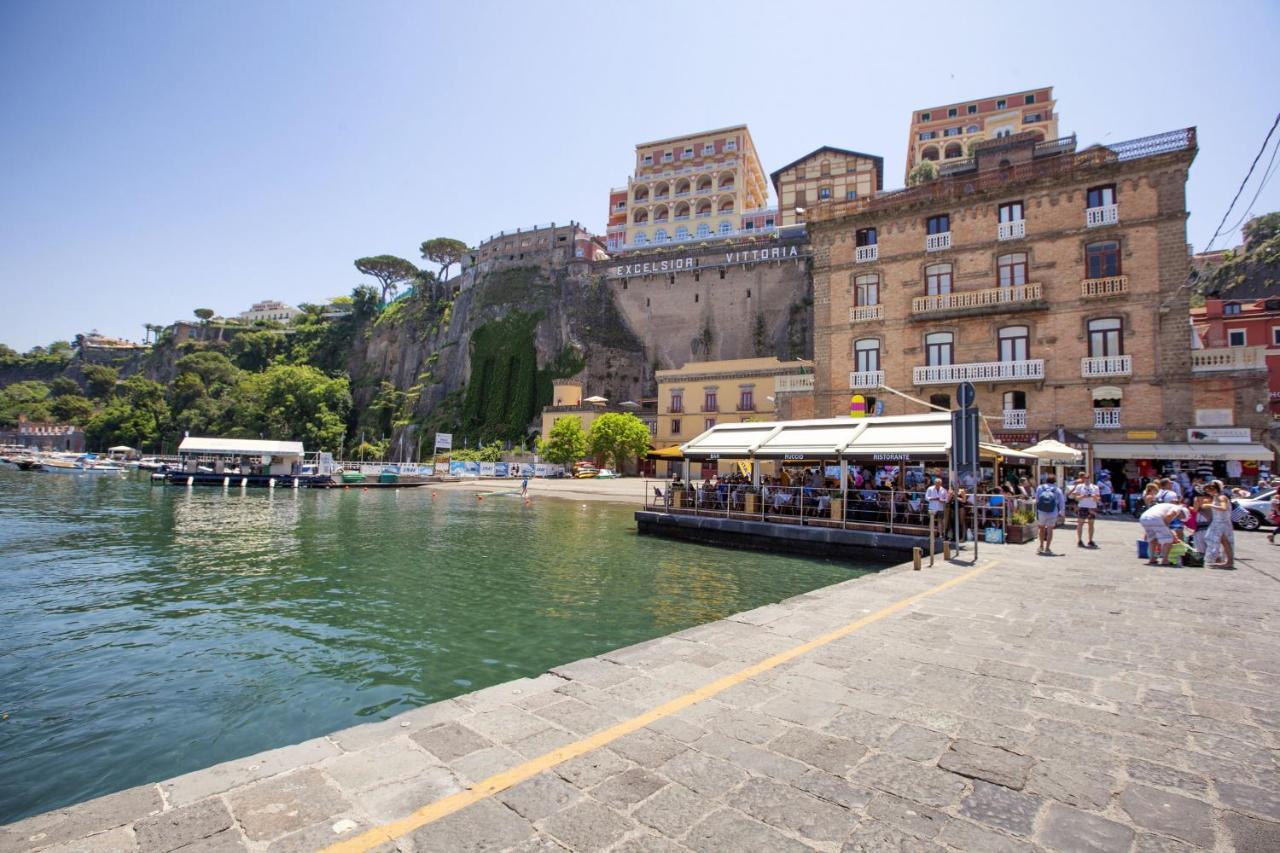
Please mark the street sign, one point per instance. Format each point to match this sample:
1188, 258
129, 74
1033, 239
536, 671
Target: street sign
964, 439
444, 441
966, 394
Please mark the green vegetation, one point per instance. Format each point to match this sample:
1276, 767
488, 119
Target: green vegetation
923, 172
502, 396
444, 251
618, 437
565, 443
390, 271
29, 398
1257, 264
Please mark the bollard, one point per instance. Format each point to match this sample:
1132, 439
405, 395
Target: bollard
295, 482
946, 550
271, 483
244, 481
915, 558
226, 481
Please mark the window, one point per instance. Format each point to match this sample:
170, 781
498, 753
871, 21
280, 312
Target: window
708, 149
1275, 336
749, 225
1030, 117
667, 157
687, 154
675, 426
1106, 337
1015, 343
1237, 338
866, 236
1012, 269
677, 402
937, 278
731, 145
939, 348
708, 423
973, 128
929, 134
660, 236
1231, 309
1015, 400
725, 227
850, 195
682, 233
926, 116
704, 230
972, 110
824, 193
1102, 260
1101, 196
648, 159
951, 131
1003, 132
942, 401
939, 224
709, 402
746, 400
1011, 211
866, 290
640, 239
824, 169
1001, 104
799, 173
951, 113
1029, 99
866, 355
768, 222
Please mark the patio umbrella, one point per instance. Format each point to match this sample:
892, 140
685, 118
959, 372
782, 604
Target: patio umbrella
1053, 451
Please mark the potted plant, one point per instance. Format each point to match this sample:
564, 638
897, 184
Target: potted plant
1021, 527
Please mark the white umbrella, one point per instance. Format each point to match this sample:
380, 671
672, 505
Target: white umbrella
595, 400
1051, 450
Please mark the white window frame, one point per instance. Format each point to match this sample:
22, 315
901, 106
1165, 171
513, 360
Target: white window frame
1244, 337
648, 160
731, 145
708, 149
1275, 336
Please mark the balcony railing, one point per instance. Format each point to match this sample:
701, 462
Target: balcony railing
937, 242
982, 371
866, 379
1015, 419
1015, 230
1106, 418
863, 254
679, 216
1228, 358
1106, 365
866, 313
800, 384
1116, 285
1105, 215
988, 297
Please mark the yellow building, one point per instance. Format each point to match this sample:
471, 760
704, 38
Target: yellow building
942, 134
567, 402
827, 174
690, 187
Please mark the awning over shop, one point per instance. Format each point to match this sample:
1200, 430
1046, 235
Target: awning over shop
1184, 452
672, 452
901, 437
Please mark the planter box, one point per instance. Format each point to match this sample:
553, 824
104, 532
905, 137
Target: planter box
1019, 534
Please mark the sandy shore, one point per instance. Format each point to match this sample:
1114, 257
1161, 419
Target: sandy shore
626, 490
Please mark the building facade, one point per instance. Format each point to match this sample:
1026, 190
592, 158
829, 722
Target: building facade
45, 435
270, 310
942, 134
1054, 281
1245, 321
686, 188
550, 244
824, 175
701, 394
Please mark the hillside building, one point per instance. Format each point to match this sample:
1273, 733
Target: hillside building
943, 134
825, 175
270, 309
1244, 319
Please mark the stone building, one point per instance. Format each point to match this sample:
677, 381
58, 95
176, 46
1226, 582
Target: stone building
548, 246
44, 435
826, 174
1052, 279
942, 134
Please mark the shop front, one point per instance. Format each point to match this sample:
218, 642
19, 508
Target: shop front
1225, 454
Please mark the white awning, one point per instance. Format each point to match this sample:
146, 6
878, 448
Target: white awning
906, 436
1052, 450
1184, 452
1008, 453
239, 447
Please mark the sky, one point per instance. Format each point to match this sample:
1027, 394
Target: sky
157, 157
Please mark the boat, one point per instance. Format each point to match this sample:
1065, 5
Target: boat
63, 463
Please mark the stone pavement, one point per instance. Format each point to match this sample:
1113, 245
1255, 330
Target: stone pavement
1084, 702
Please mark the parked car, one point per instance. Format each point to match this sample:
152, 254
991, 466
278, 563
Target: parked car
1258, 508
606, 474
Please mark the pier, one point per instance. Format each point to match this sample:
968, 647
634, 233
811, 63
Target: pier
1080, 702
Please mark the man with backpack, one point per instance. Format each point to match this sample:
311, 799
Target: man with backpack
1050, 503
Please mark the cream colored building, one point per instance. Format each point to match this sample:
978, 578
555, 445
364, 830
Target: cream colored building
827, 174
567, 402
701, 394
942, 134
270, 310
689, 188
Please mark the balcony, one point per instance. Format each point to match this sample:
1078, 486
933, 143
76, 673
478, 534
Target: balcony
866, 313
981, 371
1012, 230
1224, 359
937, 242
970, 299
703, 213
1015, 419
704, 190
800, 384
1099, 288
1105, 215
680, 216
1106, 365
860, 379
865, 254
682, 194
1106, 418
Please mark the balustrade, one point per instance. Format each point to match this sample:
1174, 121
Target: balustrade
983, 371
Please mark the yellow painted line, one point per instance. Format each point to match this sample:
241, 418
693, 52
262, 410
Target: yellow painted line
499, 782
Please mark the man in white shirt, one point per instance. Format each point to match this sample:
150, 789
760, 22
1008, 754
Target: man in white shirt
937, 495
1106, 492
1086, 496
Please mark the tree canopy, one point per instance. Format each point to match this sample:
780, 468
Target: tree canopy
390, 271
618, 437
565, 443
444, 251
1257, 265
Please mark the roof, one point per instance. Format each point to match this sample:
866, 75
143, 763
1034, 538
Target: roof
773, 176
965, 103
826, 438
1186, 451
239, 446
741, 127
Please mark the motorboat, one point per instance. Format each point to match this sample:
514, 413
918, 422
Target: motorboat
84, 464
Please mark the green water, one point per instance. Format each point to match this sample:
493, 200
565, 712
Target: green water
149, 631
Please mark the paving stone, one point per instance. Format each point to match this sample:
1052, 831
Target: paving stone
547, 740
910, 780
826, 752
190, 787
75, 822
505, 724
538, 844
991, 763
480, 765
834, 789
397, 799
727, 829
873, 836
597, 672
390, 761
628, 788
644, 842
1074, 784
587, 771
1001, 808
269, 809
862, 726
754, 759
803, 711
673, 810
317, 836
587, 825
682, 730
171, 829
648, 748
1146, 842
963, 835
1252, 799
540, 797
995, 734
916, 743
118, 840
1169, 814
450, 741
576, 716
1070, 830
748, 726
787, 808
1250, 834
484, 826
1169, 777
920, 821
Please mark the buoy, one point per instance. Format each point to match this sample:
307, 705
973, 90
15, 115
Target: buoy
226, 481
295, 482
191, 481
271, 483
244, 481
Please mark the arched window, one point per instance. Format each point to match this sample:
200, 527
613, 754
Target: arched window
682, 233
866, 290
929, 153
1015, 400
866, 354
1012, 269
1015, 343
953, 150
641, 195
937, 278
704, 208
660, 236
682, 186
939, 348
660, 213
1106, 337
682, 210
726, 182
704, 185
726, 206
661, 191
640, 238
1102, 260
704, 230
973, 128
726, 227
640, 216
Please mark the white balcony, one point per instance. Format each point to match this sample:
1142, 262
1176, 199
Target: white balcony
1015, 419
1012, 230
991, 296
937, 242
801, 384
865, 254
1228, 358
866, 313
1105, 215
1031, 369
860, 379
680, 216
1094, 288
1106, 418
1106, 365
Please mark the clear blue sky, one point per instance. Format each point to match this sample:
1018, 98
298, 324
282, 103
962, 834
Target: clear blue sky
156, 157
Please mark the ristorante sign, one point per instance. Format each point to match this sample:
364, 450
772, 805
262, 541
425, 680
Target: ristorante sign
691, 263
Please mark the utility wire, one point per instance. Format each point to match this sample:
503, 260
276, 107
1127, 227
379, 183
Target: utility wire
1248, 175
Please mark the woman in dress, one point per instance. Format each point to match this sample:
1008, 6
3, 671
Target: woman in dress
1220, 540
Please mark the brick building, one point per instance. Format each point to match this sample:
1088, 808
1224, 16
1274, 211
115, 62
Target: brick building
826, 174
943, 134
45, 435
1052, 279
551, 245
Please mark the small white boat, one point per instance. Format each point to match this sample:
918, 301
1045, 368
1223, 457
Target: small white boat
71, 464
